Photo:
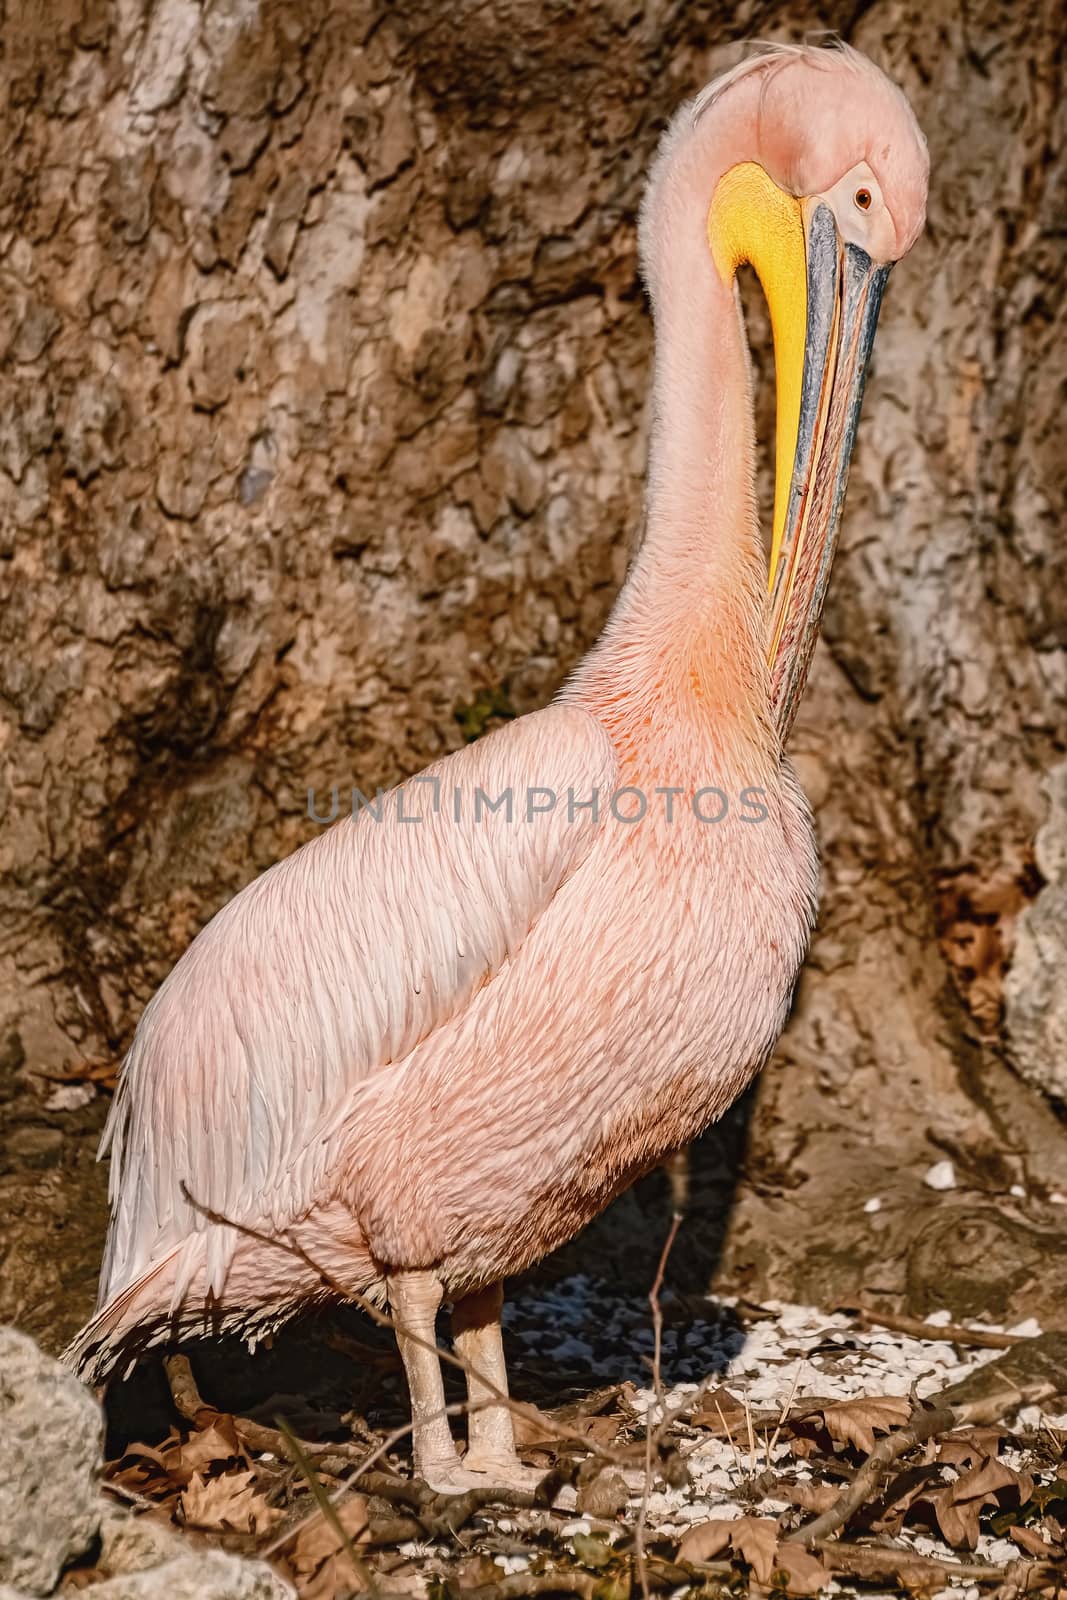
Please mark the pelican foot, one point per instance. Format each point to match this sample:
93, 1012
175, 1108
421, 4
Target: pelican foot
480, 1472
503, 1472
451, 1477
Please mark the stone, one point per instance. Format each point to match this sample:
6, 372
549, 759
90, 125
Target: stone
198, 1575
1035, 1000
130, 1544
51, 1437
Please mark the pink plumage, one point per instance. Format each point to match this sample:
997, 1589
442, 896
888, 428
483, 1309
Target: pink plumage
424, 1053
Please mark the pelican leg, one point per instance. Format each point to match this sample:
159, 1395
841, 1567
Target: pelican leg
677, 1170
490, 1435
415, 1299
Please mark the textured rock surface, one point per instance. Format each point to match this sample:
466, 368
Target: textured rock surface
1035, 994
199, 1575
131, 1544
189, 1575
322, 431
52, 1511
51, 1437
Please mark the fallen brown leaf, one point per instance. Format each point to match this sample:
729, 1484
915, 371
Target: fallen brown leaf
805, 1573
476, 1572
888, 1512
705, 1540
754, 1539
817, 1497
320, 1566
968, 1444
720, 1412
533, 1427
215, 1445
957, 1507
1030, 1540
855, 1422
231, 1501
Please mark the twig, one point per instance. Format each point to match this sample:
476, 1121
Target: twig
752, 1463
785, 1412
519, 1585
677, 1413
651, 1435
456, 1509
383, 1320
141, 1501
881, 1562
256, 1435
730, 1435
950, 1332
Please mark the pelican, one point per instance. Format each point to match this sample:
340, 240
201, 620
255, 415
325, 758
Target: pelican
430, 1046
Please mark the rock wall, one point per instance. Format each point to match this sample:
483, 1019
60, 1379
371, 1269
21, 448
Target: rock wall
322, 435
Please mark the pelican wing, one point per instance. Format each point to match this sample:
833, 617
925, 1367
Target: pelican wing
328, 968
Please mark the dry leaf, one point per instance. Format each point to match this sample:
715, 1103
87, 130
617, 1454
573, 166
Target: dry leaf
720, 1412
958, 1506
144, 1452
991, 1478
1030, 1540
211, 1446
968, 1445
816, 1497
705, 1541
320, 1564
603, 1495
805, 1573
230, 1501
854, 1421
803, 1447
906, 1488
476, 1572
958, 1522
535, 1430
756, 1539
534, 1427
600, 1430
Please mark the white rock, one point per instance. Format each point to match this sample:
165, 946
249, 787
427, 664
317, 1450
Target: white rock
942, 1175
51, 1437
70, 1097
873, 1204
199, 1575
131, 1544
52, 1509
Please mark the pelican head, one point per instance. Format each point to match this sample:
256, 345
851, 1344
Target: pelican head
808, 164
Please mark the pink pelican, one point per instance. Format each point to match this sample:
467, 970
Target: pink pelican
432, 1044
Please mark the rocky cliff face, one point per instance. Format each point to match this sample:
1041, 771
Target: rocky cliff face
321, 446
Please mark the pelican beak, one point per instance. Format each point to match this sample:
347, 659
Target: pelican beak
844, 292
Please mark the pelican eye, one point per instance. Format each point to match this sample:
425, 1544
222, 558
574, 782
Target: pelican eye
862, 198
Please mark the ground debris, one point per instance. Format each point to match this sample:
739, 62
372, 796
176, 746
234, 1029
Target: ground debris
951, 1473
